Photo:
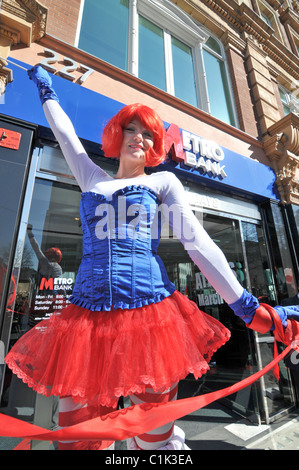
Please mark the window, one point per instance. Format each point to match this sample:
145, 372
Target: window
151, 61
183, 71
290, 101
160, 44
285, 101
266, 19
104, 30
217, 82
270, 17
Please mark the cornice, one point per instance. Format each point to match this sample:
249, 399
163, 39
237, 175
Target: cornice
248, 23
12, 35
291, 18
30, 12
275, 4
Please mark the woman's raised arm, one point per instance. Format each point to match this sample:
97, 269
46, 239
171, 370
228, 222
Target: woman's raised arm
82, 167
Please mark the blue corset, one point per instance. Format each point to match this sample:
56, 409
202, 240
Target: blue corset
120, 266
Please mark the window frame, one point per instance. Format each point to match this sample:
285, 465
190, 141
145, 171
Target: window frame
269, 16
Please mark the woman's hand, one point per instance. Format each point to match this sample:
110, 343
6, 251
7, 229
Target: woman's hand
291, 312
43, 82
245, 307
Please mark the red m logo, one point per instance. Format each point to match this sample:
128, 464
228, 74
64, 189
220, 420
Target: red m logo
173, 143
46, 283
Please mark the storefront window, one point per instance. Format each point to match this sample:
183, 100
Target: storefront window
296, 214
12, 175
261, 280
277, 395
244, 246
284, 270
50, 261
51, 256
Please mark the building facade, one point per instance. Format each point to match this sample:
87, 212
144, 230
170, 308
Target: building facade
224, 78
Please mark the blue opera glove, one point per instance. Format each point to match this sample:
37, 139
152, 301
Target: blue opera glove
43, 82
291, 312
245, 307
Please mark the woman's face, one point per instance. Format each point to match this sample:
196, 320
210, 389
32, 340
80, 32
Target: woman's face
136, 142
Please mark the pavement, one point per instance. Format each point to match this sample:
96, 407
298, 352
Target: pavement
217, 427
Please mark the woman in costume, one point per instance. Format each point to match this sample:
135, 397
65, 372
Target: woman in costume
127, 331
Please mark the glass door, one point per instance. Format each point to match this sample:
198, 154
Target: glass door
48, 267
276, 396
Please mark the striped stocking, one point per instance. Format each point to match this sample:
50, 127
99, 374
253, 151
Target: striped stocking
158, 437
73, 413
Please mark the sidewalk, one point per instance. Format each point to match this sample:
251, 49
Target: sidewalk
217, 427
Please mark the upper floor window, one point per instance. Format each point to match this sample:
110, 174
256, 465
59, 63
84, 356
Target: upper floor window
270, 17
104, 30
290, 101
160, 44
266, 19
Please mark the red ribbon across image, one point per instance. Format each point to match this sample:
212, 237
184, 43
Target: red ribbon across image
139, 419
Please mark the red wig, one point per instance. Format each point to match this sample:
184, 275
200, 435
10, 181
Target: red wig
53, 254
113, 132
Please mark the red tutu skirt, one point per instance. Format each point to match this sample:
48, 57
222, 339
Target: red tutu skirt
100, 356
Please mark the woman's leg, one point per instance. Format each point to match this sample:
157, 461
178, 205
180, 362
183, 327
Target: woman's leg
71, 413
161, 436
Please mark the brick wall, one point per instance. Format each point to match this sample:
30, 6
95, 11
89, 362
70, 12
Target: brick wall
243, 100
62, 19
262, 87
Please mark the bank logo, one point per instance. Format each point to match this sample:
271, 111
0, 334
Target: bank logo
56, 283
195, 152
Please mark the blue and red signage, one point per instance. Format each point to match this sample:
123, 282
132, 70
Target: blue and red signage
190, 155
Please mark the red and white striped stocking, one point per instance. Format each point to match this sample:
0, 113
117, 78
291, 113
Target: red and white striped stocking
71, 413
158, 437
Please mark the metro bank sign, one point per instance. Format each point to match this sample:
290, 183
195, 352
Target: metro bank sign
195, 152
200, 158
224, 168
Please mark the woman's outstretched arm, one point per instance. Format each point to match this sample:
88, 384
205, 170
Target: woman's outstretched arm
82, 167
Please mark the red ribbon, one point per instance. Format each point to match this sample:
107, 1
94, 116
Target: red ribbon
129, 422
139, 419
